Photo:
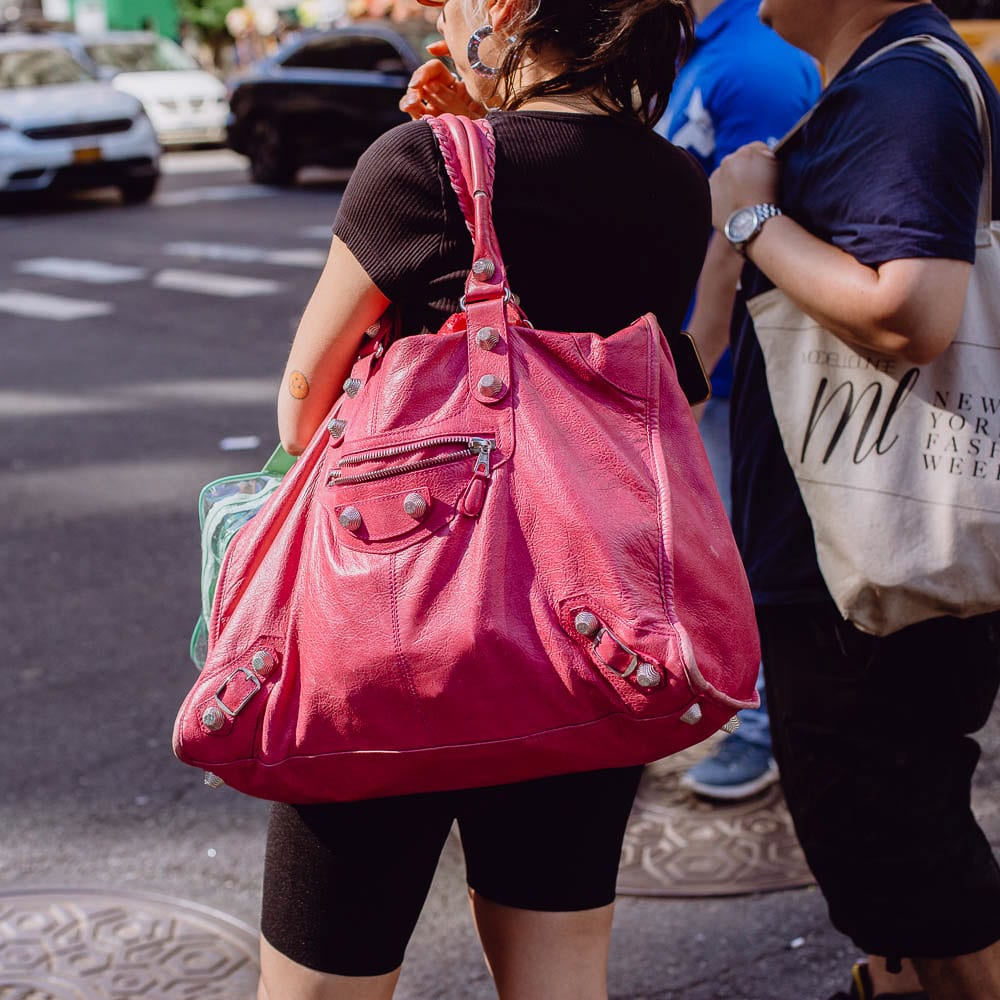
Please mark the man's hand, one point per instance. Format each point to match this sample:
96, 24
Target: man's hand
747, 177
435, 90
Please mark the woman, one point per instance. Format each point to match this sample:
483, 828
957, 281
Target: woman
588, 201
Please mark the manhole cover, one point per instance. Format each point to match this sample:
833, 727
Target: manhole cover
84, 944
679, 845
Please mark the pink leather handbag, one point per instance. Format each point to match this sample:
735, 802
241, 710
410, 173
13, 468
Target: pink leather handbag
504, 558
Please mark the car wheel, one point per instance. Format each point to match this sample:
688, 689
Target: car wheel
139, 190
271, 161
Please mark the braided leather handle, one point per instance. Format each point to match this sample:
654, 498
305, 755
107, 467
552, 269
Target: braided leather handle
469, 152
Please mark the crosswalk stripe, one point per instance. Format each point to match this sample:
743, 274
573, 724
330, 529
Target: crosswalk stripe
297, 258
202, 162
240, 253
94, 272
208, 392
230, 286
221, 192
56, 307
214, 251
317, 232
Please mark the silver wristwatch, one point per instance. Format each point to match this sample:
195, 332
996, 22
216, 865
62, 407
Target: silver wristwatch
745, 223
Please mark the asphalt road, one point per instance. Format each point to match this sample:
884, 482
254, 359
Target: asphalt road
123, 372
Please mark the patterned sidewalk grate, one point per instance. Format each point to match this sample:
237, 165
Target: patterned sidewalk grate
84, 944
679, 845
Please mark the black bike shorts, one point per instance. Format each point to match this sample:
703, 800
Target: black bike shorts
872, 739
344, 883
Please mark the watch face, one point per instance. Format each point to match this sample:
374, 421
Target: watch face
741, 225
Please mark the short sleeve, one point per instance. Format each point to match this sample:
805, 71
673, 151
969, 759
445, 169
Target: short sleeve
892, 163
392, 216
763, 101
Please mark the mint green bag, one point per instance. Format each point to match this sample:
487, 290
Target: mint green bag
224, 506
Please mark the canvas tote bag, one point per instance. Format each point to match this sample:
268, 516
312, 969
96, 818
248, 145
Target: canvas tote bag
898, 464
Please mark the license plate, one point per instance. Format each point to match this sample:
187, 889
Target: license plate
87, 154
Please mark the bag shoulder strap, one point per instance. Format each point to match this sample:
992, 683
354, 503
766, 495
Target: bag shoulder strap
469, 152
968, 78
468, 149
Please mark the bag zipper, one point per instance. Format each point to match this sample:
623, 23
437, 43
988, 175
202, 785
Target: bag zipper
480, 447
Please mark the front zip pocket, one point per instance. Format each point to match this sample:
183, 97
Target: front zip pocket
344, 474
395, 495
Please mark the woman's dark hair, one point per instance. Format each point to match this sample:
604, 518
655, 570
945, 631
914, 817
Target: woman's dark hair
625, 51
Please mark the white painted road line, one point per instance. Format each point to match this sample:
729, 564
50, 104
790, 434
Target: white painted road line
297, 258
202, 162
318, 232
223, 192
243, 254
140, 397
93, 272
230, 286
57, 307
214, 251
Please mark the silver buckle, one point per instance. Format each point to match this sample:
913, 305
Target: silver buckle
603, 631
250, 676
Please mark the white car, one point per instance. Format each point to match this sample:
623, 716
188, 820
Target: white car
185, 103
61, 128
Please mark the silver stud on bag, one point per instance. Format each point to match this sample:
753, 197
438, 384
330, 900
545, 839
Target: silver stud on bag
336, 427
263, 662
372, 331
732, 725
484, 268
586, 624
352, 387
491, 386
213, 719
213, 780
693, 715
351, 519
487, 338
415, 506
648, 676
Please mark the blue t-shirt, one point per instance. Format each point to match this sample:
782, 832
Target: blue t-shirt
889, 167
743, 83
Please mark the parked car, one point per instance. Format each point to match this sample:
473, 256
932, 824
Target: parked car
320, 100
61, 128
185, 103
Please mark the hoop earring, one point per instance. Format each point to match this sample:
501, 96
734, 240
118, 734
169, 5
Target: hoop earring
472, 52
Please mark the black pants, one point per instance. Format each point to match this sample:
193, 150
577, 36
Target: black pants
872, 739
344, 883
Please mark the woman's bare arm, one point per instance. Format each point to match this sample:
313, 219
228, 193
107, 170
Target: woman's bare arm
343, 305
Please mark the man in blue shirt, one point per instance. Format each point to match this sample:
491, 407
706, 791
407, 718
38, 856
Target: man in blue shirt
742, 83
867, 221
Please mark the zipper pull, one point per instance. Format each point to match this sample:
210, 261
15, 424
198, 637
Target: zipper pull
481, 447
472, 501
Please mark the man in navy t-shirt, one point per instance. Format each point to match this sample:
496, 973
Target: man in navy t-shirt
866, 220
741, 83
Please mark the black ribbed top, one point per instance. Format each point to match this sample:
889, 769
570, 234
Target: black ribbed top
599, 221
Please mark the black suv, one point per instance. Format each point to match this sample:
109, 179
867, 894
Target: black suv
323, 98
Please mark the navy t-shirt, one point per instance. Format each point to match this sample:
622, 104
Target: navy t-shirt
889, 167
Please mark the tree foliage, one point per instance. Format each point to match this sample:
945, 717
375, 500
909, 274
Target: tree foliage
207, 17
